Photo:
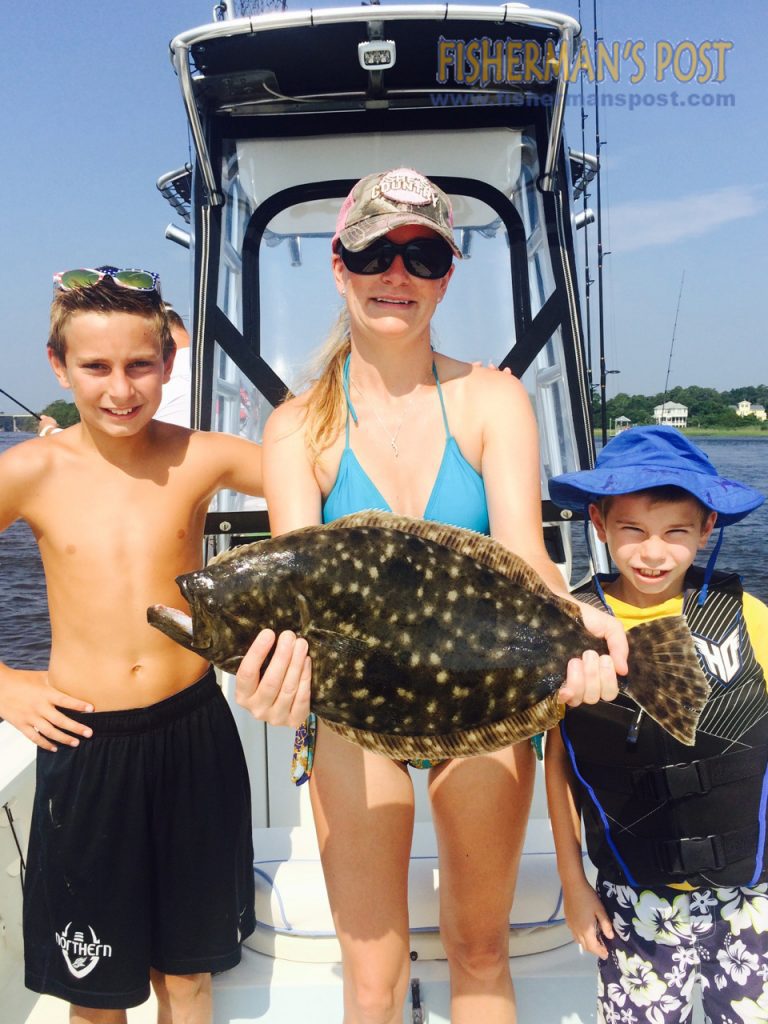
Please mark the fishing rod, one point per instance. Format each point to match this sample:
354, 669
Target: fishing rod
600, 251
20, 404
672, 345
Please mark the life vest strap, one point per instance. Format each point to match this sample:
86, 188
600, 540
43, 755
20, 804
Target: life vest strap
679, 780
674, 781
682, 858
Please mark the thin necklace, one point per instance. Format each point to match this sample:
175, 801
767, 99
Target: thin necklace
392, 437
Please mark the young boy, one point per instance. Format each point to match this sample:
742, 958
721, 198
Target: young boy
677, 833
140, 855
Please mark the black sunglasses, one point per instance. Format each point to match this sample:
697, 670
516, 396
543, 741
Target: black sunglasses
428, 258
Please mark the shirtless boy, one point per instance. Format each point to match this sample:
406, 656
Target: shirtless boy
140, 860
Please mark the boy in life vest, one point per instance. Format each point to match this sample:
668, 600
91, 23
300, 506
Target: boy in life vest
677, 833
140, 862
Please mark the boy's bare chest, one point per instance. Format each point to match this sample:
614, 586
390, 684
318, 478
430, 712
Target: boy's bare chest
113, 515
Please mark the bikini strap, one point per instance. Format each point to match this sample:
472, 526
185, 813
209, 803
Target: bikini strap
350, 406
442, 400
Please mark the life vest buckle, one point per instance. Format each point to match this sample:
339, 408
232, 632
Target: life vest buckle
687, 857
686, 779
672, 781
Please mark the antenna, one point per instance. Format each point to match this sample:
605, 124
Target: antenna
671, 346
600, 253
587, 278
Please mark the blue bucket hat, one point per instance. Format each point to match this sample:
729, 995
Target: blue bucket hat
645, 457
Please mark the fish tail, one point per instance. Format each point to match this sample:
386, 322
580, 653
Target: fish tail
665, 677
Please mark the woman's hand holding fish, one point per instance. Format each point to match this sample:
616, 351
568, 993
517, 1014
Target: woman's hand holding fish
593, 677
281, 695
30, 704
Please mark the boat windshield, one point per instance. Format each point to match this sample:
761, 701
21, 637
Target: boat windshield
277, 295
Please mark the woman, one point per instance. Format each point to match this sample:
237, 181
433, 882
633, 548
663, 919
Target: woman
391, 424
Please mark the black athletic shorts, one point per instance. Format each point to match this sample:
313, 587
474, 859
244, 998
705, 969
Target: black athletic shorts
140, 852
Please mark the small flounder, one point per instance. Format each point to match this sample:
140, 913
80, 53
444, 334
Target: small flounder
427, 641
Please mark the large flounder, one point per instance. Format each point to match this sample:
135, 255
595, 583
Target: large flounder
427, 641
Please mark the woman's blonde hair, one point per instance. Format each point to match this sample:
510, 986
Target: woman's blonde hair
325, 401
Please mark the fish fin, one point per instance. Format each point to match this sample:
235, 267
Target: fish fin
331, 639
236, 552
305, 616
463, 743
482, 549
665, 678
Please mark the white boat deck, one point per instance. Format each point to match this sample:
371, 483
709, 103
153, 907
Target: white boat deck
554, 986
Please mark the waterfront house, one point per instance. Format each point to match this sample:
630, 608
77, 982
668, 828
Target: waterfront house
671, 414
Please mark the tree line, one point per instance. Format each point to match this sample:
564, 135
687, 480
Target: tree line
65, 414
706, 406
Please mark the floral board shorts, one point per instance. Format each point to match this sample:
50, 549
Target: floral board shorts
669, 939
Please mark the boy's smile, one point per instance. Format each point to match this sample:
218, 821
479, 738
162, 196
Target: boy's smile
114, 368
653, 544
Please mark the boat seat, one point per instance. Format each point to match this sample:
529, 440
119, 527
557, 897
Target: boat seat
294, 918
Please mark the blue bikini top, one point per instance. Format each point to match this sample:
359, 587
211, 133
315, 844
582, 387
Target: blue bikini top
458, 494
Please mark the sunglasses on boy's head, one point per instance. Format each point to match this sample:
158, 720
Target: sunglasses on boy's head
428, 258
139, 280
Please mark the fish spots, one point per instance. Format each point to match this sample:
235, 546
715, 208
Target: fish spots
415, 660
461, 692
361, 694
407, 695
441, 677
452, 596
434, 658
336, 589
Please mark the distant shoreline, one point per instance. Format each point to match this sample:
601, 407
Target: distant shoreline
712, 432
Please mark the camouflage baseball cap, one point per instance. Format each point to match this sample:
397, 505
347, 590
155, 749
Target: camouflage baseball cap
381, 202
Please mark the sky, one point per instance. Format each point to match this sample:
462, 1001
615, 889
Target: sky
92, 115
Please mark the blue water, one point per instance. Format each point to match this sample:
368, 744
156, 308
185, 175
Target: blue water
25, 631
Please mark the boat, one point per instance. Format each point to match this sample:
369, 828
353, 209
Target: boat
287, 109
